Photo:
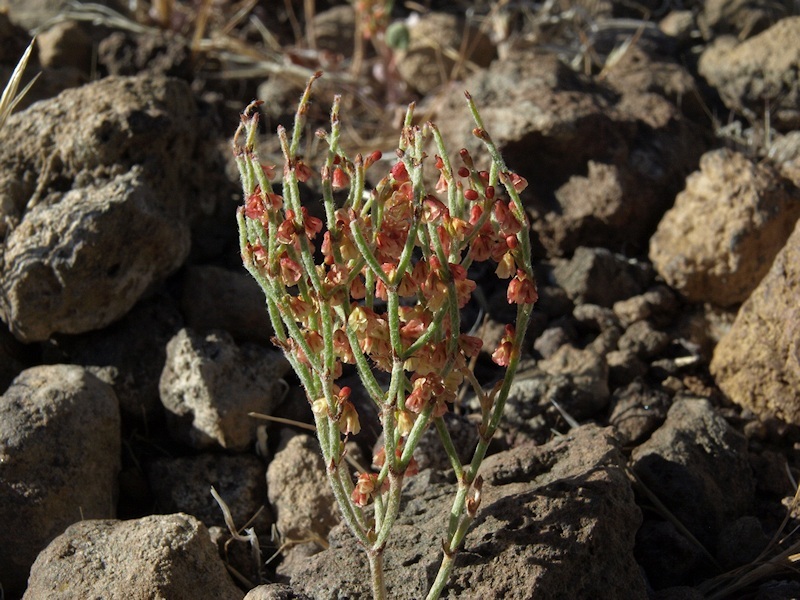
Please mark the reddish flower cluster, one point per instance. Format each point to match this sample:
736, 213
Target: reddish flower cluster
423, 246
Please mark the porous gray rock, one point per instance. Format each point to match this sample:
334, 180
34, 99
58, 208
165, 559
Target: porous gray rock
598, 276
155, 51
698, 466
209, 385
59, 459
759, 74
575, 381
129, 355
643, 340
588, 374
637, 410
555, 521
298, 489
651, 72
217, 298
757, 363
657, 304
183, 485
160, 556
96, 201
65, 45
726, 227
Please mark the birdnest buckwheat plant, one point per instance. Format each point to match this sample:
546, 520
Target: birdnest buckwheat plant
386, 296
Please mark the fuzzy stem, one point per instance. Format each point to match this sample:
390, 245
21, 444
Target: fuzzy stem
376, 571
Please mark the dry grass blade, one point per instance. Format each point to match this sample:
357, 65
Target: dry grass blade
249, 532
666, 513
762, 567
11, 97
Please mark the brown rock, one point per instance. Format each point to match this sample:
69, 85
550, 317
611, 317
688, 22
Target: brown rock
298, 490
97, 187
217, 298
550, 123
760, 73
65, 44
59, 459
743, 18
161, 556
640, 72
182, 485
757, 364
209, 385
698, 466
128, 355
726, 227
555, 517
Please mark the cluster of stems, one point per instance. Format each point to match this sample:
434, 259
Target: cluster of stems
378, 281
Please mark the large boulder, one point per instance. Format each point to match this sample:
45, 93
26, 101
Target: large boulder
96, 201
759, 75
555, 521
603, 165
757, 364
59, 460
160, 556
725, 229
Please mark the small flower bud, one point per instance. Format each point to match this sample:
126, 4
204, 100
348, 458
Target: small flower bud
464, 153
372, 158
399, 172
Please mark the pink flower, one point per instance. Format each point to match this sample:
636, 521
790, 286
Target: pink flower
508, 223
312, 225
433, 209
348, 420
506, 267
502, 355
517, 182
470, 345
291, 271
441, 184
269, 171
340, 179
254, 206
521, 289
303, 171
365, 488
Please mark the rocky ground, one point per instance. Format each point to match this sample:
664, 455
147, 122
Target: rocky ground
651, 442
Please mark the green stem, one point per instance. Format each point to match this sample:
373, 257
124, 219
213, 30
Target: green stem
392, 510
445, 569
376, 572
